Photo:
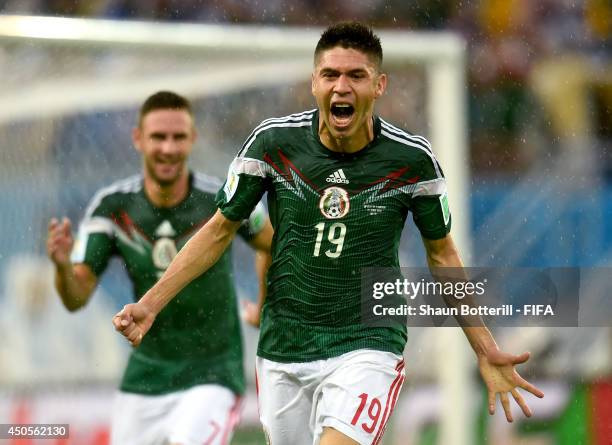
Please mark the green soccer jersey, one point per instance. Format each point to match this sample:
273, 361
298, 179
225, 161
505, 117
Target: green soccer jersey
196, 339
333, 215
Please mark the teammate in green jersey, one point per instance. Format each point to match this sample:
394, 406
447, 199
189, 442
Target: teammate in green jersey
340, 183
183, 383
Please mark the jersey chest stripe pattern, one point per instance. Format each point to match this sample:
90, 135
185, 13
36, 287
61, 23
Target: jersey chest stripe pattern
303, 122
423, 140
133, 237
294, 116
291, 117
131, 184
412, 144
98, 224
411, 137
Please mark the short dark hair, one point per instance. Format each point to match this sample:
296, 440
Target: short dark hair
354, 35
164, 100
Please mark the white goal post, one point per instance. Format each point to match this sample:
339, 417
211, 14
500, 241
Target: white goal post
254, 55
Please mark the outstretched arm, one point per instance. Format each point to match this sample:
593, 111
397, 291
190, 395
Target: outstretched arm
497, 368
262, 243
74, 282
197, 256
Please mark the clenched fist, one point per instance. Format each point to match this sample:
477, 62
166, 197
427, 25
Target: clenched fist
134, 321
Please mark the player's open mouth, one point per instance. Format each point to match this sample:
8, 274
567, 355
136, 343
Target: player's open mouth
342, 114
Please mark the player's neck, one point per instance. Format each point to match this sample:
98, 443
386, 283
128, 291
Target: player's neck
166, 195
351, 144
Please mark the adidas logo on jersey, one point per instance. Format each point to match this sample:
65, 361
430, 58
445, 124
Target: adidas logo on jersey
337, 177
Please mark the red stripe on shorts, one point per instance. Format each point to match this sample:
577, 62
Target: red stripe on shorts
399, 365
216, 429
392, 388
232, 420
256, 382
395, 395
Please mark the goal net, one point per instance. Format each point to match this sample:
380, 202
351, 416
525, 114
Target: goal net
70, 91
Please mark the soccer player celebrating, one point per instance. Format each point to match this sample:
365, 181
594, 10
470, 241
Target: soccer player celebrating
340, 183
183, 383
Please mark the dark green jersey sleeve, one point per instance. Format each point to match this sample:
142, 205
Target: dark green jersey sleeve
246, 179
94, 245
429, 203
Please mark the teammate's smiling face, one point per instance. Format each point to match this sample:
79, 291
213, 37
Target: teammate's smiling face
345, 83
165, 138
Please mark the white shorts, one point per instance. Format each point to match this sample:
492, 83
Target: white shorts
204, 414
354, 393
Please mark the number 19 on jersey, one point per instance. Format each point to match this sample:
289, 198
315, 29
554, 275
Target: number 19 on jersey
335, 235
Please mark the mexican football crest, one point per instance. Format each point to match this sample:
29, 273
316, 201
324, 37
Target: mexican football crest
334, 203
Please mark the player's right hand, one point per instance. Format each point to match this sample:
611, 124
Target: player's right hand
134, 321
59, 241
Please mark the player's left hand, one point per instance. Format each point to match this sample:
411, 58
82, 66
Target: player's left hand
500, 376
